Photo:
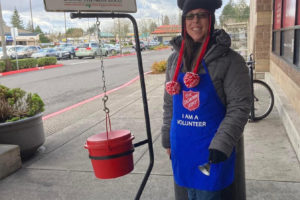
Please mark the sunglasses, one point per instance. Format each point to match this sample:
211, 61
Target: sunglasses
200, 15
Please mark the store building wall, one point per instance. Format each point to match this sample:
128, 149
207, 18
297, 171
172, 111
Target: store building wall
275, 40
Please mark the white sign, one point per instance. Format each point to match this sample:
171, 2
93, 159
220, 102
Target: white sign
14, 32
126, 6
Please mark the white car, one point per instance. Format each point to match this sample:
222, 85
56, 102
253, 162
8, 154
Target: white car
112, 49
44, 53
8, 52
20, 51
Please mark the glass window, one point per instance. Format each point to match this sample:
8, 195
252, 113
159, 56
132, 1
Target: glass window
288, 45
297, 48
276, 42
94, 45
83, 45
289, 13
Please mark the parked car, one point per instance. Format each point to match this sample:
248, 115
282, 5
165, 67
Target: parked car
49, 52
92, 49
166, 42
1, 52
32, 49
19, 51
153, 43
112, 49
61, 53
63, 45
71, 50
143, 46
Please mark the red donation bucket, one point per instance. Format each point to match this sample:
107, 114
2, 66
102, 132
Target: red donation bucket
111, 157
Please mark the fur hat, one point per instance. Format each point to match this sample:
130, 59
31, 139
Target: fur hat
188, 5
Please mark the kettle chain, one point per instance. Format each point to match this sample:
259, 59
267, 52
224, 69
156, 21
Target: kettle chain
105, 97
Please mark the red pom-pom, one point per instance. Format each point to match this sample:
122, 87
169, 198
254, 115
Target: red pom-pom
191, 79
173, 87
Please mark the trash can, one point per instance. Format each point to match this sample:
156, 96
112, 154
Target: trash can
111, 153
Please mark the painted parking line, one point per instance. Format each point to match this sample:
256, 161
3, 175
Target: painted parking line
91, 99
78, 63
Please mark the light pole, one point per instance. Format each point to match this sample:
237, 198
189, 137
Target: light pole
89, 31
31, 16
2, 32
66, 28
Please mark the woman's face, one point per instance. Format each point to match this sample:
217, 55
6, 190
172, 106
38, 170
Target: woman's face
197, 22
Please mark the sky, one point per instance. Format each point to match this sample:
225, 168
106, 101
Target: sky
53, 22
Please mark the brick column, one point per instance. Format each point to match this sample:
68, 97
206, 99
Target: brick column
263, 34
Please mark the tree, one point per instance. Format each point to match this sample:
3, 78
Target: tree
143, 27
92, 30
125, 29
166, 20
243, 10
16, 20
238, 12
152, 27
38, 29
74, 32
29, 27
43, 38
120, 29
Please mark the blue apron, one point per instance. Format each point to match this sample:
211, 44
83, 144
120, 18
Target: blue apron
197, 114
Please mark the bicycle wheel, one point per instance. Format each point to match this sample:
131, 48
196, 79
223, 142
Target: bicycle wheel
263, 99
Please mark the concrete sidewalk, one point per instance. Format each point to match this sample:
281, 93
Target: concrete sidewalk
61, 170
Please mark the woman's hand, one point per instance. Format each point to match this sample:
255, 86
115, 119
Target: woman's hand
216, 156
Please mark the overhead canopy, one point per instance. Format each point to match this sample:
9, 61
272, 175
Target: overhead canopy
124, 6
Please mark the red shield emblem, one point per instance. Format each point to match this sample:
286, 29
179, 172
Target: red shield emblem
191, 100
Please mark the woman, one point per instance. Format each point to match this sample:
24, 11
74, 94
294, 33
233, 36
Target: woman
206, 103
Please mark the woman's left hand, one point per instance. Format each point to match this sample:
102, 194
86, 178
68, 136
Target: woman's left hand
216, 156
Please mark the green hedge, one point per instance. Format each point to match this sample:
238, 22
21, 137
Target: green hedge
24, 63
2, 66
46, 61
29, 63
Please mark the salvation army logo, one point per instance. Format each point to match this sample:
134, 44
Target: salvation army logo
191, 100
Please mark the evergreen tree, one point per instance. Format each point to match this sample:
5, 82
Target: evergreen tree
38, 29
16, 20
166, 20
43, 38
29, 27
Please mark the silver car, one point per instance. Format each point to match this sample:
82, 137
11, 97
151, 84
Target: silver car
92, 49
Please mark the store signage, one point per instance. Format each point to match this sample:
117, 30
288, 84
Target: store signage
298, 22
289, 13
9, 39
125, 6
277, 14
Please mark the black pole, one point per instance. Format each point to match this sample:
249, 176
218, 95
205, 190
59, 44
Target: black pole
251, 65
239, 184
237, 190
142, 80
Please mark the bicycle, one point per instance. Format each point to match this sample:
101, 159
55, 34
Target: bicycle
263, 97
